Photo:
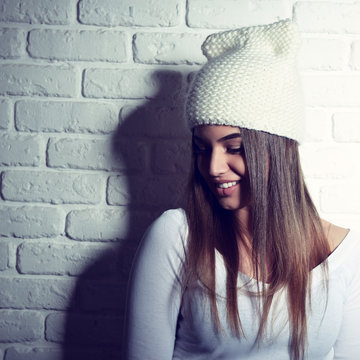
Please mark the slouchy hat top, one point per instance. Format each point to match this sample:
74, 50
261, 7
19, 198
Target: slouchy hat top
250, 80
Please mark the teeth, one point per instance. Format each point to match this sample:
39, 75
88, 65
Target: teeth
227, 185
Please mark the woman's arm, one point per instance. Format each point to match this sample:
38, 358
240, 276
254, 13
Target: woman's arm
154, 292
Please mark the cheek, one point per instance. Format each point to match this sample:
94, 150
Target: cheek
201, 165
239, 166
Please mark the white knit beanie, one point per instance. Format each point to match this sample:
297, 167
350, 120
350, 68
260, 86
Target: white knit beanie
251, 81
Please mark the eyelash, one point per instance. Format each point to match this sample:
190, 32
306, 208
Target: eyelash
199, 150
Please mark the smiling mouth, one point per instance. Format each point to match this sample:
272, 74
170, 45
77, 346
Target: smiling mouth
227, 184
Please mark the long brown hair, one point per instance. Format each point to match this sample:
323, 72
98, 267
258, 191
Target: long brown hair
286, 230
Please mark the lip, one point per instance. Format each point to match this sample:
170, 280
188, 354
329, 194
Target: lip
218, 183
225, 192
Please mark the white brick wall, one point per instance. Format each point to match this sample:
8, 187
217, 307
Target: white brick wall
93, 147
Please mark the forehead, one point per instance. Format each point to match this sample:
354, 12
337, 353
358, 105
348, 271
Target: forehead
214, 131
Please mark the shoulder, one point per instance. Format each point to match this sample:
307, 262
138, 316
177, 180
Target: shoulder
334, 234
167, 234
170, 222
346, 254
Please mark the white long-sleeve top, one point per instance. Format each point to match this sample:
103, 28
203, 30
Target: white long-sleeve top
159, 328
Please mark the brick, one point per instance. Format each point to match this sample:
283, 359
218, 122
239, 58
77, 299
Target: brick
346, 126
326, 162
79, 153
72, 117
145, 191
355, 55
52, 353
96, 154
36, 11
92, 295
32, 293
331, 89
234, 13
86, 329
340, 198
65, 258
12, 43
21, 353
315, 16
172, 157
19, 326
21, 150
323, 54
131, 83
5, 113
4, 256
81, 45
98, 224
52, 187
153, 121
31, 221
168, 48
129, 12
37, 80
318, 125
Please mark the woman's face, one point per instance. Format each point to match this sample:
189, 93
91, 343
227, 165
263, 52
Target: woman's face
221, 162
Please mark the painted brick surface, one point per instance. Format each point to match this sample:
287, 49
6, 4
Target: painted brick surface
21, 353
31, 221
51, 187
92, 295
36, 11
93, 146
328, 162
78, 45
126, 190
96, 329
233, 13
12, 43
72, 117
332, 90
128, 13
168, 48
98, 225
20, 326
131, 83
37, 80
323, 54
5, 114
313, 16
20, 150
343, 198
355, 56
4, 255
79, 154
32, 293
347, 126
318, 125
153, 121
93, 154
63, 258
172, 157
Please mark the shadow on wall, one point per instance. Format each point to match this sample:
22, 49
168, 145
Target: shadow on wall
154, 148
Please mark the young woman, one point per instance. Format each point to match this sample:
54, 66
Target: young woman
248, 270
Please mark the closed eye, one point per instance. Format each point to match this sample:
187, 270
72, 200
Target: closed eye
235, 150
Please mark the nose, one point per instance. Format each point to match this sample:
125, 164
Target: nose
217, 163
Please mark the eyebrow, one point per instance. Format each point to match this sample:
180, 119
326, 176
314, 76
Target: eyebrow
224, 138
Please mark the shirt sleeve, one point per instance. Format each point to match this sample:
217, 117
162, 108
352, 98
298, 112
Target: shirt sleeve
347, 346
154, 294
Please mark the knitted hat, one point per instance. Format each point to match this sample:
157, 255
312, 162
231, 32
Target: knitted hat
250, 81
